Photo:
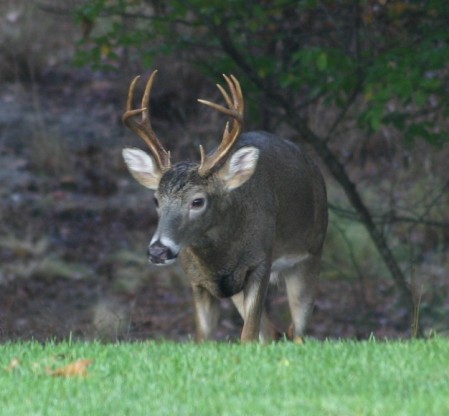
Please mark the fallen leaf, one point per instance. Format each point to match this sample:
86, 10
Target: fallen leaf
75, 369
15, 363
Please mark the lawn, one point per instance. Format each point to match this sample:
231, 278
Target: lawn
157, 378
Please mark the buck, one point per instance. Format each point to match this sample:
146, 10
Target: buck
252, 211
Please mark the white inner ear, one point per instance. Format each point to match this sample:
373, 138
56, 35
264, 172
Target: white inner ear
142, 167
239, 167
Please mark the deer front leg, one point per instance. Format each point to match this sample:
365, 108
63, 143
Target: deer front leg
268, 331
207, 313
254, 294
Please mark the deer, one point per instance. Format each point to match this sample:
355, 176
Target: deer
252, 211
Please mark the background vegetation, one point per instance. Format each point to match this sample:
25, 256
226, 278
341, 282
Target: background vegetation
362, 84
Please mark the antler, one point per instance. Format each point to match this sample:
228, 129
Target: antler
143, 128
235, 110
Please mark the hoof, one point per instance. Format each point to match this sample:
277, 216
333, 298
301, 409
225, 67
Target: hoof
298, 340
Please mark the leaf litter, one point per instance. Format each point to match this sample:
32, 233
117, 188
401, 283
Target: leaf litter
78, 368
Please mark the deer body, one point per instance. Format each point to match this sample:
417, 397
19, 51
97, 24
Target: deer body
257, 211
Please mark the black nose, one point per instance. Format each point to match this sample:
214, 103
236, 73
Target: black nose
158, 253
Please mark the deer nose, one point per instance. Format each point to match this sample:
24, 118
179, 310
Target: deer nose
158, 253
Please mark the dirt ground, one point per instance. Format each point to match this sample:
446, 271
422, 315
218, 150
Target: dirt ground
74, 229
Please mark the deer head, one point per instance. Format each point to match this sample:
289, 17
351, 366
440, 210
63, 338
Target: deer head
189, 197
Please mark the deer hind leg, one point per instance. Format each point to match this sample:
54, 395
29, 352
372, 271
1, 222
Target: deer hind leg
207, 313
301, 283
268, 332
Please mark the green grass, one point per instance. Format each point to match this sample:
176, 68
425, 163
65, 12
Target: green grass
328, 378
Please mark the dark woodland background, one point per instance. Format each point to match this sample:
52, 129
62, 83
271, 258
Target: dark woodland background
363, 85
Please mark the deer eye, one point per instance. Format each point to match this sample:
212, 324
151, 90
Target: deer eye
198, 203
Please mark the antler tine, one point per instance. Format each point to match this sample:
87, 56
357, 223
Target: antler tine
236, 91
239, 93
235, 110
143, 128
132, 87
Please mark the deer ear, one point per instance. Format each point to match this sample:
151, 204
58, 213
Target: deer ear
240, 167
142, 167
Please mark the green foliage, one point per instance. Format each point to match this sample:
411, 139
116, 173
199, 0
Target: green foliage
392, 57
338, 378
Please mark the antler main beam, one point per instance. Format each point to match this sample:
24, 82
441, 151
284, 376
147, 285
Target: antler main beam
235, 109
143, 127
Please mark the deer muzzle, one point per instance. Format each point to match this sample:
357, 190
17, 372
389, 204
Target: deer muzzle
160, 254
